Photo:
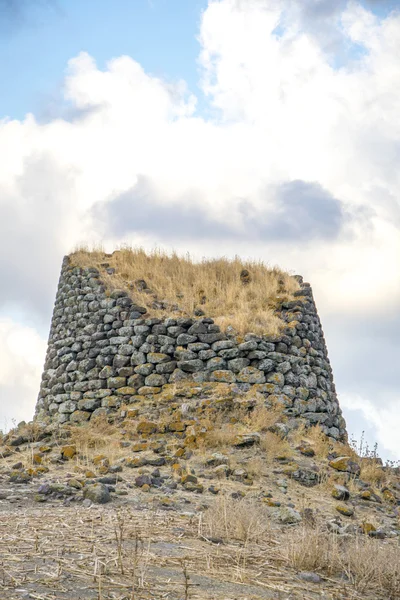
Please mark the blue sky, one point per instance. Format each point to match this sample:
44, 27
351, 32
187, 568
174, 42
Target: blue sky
37, 41
285, 163
36, 46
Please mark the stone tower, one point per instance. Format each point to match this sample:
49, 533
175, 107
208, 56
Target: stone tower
106, 354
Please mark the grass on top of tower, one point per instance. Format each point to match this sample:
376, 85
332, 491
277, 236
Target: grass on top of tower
241, 294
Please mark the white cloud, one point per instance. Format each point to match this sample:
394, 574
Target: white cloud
380, 424
281, 113
21, 361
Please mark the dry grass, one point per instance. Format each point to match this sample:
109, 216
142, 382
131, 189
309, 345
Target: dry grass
367, 564
103, 553
262, 418
242, 294
32, 431
320, 442
220, 435
274, 446
244, 520
372, 472
255, 466
95, 437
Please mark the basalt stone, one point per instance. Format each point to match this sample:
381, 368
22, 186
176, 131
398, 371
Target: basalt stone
167, 367
88, 404
125, 371
237, 364
98, 493
138, 358
276, 378
283, 367
216, 363
197, 328
80, 416
166, 340
266, 365
190, 366
248, 346
120, 361
137, 340
223, 376
157, 357
250, 375
67, 407
184, 339
155, 380
256, 355
135, 381
182, 354
116, 382
106, 372
206, 354
229, 353
210, 338
175, 330
198, 346
178, 375
222, 345
145, 369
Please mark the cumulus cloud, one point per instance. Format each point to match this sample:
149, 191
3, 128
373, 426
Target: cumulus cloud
38, 211
300, 211
375, 426
297, 164
21, 355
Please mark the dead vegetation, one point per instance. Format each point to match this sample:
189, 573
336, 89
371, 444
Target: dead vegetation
242, 295
367, 565
244, 520
94, 438
230, 550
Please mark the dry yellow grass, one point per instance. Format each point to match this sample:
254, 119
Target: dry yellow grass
243, 520
367, 565
242, 294
372, 472
262, 417
221, 435
320, 442
275, 446
95, 437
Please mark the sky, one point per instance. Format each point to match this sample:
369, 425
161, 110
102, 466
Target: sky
264, 128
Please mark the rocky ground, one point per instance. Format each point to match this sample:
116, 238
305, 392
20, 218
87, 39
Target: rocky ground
232, 505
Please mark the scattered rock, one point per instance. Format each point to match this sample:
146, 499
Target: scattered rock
347, 511
345, 463
289, 515
247, 439
310, 577
306, 477
20, 477
68, 452
98, 493
340, 492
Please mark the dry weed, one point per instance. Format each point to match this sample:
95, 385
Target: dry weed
96, 436
372, 472
275, 446
244, 520
262, 418
367, 565
236, 293
221, 436
255, 466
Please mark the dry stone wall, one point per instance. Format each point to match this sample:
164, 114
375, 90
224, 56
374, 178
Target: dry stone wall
104, 352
